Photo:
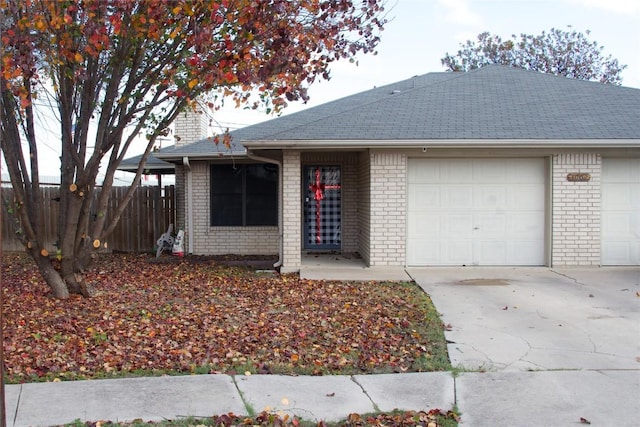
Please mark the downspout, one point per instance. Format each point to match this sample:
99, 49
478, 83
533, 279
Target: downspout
185, 162
278, 163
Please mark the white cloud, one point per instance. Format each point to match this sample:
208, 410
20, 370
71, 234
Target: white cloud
459, 12
462, 37
627, 7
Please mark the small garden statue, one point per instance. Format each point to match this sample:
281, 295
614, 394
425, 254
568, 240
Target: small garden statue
165, 242
178, 244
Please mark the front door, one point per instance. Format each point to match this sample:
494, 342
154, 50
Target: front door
322, 207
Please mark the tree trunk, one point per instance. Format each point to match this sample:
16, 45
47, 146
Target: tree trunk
69, 280
76, 284
51, 276
71, 271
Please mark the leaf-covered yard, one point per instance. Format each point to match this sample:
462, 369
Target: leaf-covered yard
195, 315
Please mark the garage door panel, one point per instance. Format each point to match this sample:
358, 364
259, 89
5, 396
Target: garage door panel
457, 252
617, 225
432, 252
424, 225
490, 197
522, 252
489, 212
419, 175
620, 212
424, 252
491, 225
455, 171
634, 196
490, 171
623, 171
422, 196
523, 171
620, 253
525, 197
460, 225
526, 224
456, 197
492, 252
618, 196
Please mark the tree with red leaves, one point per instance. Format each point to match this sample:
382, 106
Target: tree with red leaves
131, 66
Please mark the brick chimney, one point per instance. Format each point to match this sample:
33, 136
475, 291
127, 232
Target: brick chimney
190, 126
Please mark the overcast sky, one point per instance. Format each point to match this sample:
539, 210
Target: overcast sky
421, 32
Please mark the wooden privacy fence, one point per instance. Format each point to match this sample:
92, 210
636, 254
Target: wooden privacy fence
145, 218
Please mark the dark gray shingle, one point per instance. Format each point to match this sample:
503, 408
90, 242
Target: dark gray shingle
494, 102
491, 103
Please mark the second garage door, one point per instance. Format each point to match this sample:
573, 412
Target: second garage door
476, 212
621, 212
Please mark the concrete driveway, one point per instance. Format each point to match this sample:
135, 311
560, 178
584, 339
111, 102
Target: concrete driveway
541, 346
522, 319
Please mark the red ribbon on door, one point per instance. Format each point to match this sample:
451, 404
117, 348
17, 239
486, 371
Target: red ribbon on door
318, 188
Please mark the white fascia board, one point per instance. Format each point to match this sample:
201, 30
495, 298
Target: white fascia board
442, 143
200, 156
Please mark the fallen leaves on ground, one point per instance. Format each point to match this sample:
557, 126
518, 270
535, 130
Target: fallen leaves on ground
431, 418
196, 316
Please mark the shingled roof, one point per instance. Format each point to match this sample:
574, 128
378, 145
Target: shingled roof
494, 103
152, 166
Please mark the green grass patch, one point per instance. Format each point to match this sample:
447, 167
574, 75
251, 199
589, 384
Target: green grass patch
432, 418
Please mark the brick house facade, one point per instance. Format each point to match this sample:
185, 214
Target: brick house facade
529, 186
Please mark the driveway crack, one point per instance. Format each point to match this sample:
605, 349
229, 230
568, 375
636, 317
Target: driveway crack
455, 390
376, 408
540, 315
576, 281
15, 415
247, 405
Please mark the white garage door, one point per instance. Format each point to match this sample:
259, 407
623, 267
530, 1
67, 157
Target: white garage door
476, 212
621, 212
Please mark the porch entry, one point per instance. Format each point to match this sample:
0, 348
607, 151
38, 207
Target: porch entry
322, 207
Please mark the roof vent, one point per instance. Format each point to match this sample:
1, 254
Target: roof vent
396, 91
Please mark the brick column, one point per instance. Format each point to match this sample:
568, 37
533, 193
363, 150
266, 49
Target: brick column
388, 194
291, 208
201, 200
576, 210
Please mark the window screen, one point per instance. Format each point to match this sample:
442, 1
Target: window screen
244, 195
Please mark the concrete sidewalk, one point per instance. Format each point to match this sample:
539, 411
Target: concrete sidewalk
543, 398
549, 398
329, 398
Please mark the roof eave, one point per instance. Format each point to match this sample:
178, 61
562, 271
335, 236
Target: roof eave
441, 143
177, 157
150, 170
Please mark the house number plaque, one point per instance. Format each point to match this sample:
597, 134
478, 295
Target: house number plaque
578, 177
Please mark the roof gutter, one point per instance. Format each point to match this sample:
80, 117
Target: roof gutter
442, 143
278, 163
198, 156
